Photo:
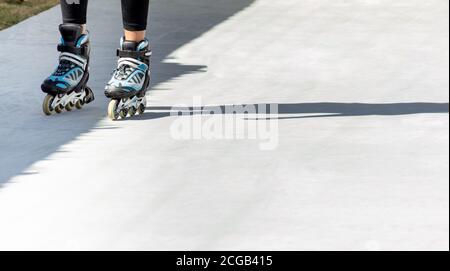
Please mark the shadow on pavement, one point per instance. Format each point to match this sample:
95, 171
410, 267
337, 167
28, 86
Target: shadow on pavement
327, 109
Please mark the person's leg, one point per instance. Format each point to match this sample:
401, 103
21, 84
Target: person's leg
67, 85
135, 13
74, 13
131, 78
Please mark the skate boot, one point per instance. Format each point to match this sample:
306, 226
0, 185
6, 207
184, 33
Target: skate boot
130, 80
66, 87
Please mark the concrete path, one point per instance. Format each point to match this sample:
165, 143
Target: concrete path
353, 154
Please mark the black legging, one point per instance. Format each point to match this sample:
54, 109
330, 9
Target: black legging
134, 13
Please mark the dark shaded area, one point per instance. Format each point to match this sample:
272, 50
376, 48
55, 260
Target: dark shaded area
323, 109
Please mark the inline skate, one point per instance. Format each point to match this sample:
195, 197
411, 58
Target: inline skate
66, 87
130, 80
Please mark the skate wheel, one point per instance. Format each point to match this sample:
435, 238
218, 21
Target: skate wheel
79, 104
47, 105
141, 109
132, 111
123, 113
112, 109
59, 109
69, 106
89, 95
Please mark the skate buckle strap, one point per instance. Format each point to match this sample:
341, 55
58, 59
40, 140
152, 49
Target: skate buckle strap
133, 54
73, 50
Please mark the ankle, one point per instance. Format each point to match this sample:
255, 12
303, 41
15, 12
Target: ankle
84, 29
135, 36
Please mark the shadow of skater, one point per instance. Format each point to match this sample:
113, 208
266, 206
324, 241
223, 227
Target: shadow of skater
328, 109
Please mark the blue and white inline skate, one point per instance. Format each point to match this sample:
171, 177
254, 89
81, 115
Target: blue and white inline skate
66, 87
130, 80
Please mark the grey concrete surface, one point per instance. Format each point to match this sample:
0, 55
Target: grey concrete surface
360, 156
